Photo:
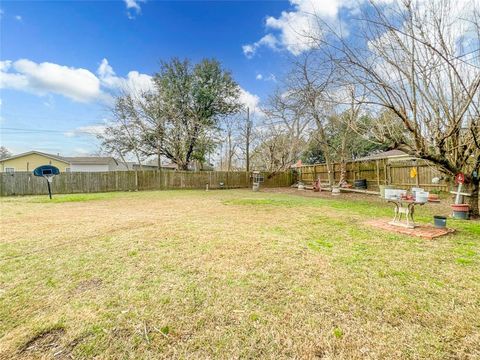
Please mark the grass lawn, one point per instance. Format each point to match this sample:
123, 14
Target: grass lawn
231, 274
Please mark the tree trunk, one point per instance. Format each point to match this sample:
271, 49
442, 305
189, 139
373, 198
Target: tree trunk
343, 161
247, 141
159, 159
473, 200
343, 172
328, 162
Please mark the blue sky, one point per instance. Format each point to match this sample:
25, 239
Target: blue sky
80, 35
61, 62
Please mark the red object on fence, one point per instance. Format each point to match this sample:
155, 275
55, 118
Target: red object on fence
459, 178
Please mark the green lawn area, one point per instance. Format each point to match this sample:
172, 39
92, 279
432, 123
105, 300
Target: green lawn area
231, 274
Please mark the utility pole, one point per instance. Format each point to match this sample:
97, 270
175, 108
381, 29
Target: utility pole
159, 154
248, 133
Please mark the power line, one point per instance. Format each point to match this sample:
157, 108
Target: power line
12, 130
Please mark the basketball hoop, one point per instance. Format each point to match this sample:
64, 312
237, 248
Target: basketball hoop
48, 172
49, 177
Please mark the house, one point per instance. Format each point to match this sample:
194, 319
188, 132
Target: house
131, 165
30, 160
165, 166
92, 163
194, 165
391, 155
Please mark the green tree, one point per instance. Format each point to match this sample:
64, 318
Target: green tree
179, 118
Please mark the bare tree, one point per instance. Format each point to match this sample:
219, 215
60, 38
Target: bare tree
420, 62
309, 85
273, 152
246, 131
231, 142
122, 137
285, 130
4, 152
345, 125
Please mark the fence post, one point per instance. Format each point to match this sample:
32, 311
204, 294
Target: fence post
385, 171
378, 173
417, 178
389, 176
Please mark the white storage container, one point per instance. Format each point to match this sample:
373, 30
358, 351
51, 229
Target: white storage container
394, 194
389, 193
421, 196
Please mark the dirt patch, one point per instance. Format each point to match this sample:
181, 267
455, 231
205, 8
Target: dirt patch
46, 342
322, 194
441, 208
89, 284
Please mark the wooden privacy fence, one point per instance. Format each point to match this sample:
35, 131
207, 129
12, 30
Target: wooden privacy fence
25, 183
380, 172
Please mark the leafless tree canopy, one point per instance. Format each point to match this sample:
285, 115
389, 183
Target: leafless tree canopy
419, 62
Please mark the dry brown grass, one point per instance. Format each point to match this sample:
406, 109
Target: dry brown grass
231, 274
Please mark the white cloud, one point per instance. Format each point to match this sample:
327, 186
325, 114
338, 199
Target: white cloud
269, 77
79, 151
135, 82
18, 18
250, 100
50, 101
133, 8
248, 50
297, 29
86, 130
268, 40
75, 83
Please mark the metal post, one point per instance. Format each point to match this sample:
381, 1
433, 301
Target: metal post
49, 190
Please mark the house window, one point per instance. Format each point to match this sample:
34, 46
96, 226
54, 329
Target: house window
9, 169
